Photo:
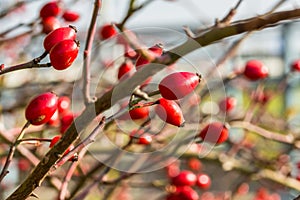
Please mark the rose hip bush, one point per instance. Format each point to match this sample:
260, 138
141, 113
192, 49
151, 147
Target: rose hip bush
106, 111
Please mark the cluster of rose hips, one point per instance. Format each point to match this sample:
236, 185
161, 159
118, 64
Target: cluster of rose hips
62, 47
48, 108
49, 15
183, 181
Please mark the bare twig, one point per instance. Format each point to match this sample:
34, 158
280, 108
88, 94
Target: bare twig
12, 150
31, 64
87, 53
289, 139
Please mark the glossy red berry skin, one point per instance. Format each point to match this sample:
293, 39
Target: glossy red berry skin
41, 108
184, 193
178, 85
54, 120
296, 65
50, 9
203, 181
107, 31
66, 121
58, 35
170, 112
184, 178
227, 104
63, 54
63, 105
50, 24
139, 113
70, 16
255, 70
54, 140
125, 70
215, 132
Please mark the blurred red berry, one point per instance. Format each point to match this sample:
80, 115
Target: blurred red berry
66, 121
215, 132
63, 105
295, 66
23, 164
141, 137
54, 140
154, 51
50, 9
70, 16
50, 24
203, 181
195, 164
54, 120
107, 31
243, 189
227, 104
184, 178
125, 70
255, 70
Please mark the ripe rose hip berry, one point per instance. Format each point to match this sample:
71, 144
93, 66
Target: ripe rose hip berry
63, 54
178, 85
215, 132
255, 70
50, 9
125, 70
187, 193
203, 181
227, 104
194, 164
41, 108
50, 24
58, 35
170, 112
70, 16
295, 66
107, 31
184, 178
63, 104
139, 113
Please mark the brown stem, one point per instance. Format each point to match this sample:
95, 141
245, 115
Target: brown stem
12, 150
87, 53
31, 64
121, 90
289, 139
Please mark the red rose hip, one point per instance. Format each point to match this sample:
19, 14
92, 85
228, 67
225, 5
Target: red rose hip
227, 104
170, 112
41, 108
63, 104
107, 31
50, 24
184, 178
178, 85
50, 9
125, 70
63, 54
58, 35
255, 70
295, 66
215, 132
70, 16
203, 181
